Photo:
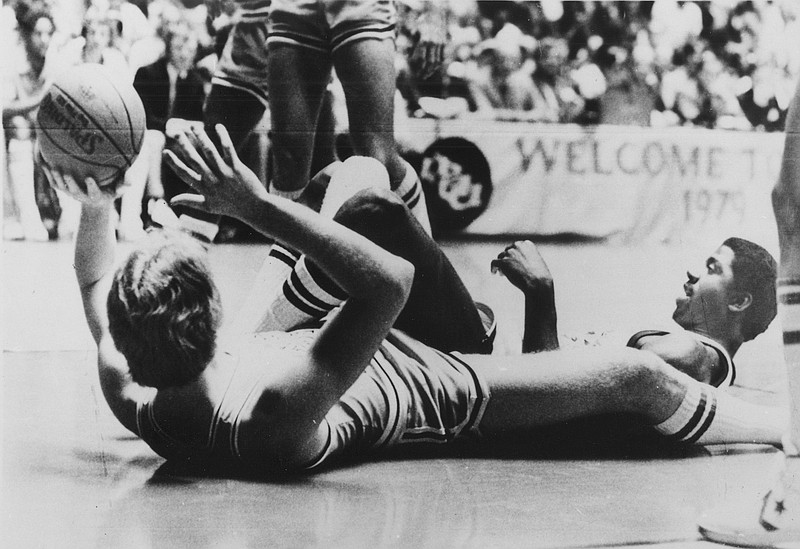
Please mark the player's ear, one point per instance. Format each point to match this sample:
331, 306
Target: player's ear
740, 301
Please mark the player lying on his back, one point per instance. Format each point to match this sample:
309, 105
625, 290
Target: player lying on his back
731, 303
719, 310
277, 401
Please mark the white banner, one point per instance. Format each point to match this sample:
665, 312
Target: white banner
624, 183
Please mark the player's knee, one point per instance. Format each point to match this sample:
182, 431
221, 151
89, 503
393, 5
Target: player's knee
372, 207
787, 214
638, 377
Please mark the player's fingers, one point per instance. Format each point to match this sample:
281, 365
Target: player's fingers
72, 185
228, 150
50, 176
92, 188
497, 267
209, 151
184, 172
190, 200
190, 156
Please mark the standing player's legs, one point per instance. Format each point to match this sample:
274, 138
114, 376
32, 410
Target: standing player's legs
366, 70
238, 110
776, 519
238, 95
297, 78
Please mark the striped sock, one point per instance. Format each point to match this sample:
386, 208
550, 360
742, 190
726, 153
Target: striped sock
788, 290
255, 314
303, 298
410, 191
709, 416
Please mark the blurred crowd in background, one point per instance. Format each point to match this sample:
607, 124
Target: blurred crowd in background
714, 64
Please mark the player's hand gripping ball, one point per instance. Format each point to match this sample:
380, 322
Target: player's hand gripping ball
91, 124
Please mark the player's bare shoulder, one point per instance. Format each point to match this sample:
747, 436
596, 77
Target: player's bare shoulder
684, 352
275, 428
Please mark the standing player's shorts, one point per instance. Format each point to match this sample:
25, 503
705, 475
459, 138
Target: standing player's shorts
326, 25
243, 61
409, 394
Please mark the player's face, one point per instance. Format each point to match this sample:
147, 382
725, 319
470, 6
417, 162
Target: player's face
706, 295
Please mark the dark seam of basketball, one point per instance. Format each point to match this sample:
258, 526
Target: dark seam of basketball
97, 125
66, 152
136, 146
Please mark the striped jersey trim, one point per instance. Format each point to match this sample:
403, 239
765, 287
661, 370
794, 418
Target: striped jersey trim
385, 33
278, 37
239, 84
393, 401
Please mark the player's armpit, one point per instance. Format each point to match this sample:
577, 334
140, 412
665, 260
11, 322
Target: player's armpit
119, 390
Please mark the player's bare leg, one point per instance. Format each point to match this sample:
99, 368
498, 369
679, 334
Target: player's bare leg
366, 70
298, 79
533, 390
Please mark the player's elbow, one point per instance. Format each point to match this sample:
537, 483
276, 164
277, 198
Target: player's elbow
399, 280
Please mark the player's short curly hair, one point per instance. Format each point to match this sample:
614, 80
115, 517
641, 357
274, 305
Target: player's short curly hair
164, 310
754, 271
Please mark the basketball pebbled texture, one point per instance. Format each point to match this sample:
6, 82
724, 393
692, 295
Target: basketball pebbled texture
91, 123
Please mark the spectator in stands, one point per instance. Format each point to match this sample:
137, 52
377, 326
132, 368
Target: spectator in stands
23, 89
559, 100
134, 25
629, 99
101, 36
721, 84
496, 60
170, 88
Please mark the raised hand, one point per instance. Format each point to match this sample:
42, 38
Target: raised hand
524, 267
88, 192
227, 186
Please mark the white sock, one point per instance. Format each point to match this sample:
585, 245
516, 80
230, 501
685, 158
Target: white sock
410, 191
710, 416
255, 314
302, 299
789, 313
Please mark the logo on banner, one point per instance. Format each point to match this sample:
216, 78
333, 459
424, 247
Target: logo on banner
457, 182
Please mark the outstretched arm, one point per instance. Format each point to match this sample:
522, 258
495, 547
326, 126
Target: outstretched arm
524, 267
377, 282
95, 247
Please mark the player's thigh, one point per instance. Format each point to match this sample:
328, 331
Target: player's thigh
533, 390
366, 70
440, 311
238, 110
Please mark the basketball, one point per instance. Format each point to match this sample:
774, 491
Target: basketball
90, 123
